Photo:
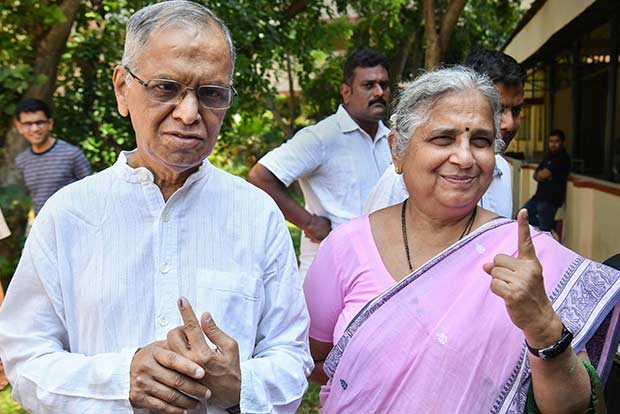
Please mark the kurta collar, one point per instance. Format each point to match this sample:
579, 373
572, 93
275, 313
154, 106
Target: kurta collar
142, 174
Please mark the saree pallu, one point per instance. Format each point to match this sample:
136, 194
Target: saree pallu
440, 341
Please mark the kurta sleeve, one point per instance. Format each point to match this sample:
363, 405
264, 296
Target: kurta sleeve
46, 376
274, 379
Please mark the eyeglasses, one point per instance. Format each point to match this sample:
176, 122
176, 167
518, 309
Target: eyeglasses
35, 123
172, 92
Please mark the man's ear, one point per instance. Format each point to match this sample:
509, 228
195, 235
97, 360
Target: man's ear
19, 127
345, 92
119, 79
51, 123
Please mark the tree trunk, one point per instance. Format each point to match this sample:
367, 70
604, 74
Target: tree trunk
400, 61
448, 23
432, 54
437, 43
49, 48
292, 101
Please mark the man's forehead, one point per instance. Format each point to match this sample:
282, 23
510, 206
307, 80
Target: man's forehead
371, 73
186, 50
510, 94
33, 116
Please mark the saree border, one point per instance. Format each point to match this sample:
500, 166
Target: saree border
595, 287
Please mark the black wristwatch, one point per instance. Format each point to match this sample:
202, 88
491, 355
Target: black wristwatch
555, 349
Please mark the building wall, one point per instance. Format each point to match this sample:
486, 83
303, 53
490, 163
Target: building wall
590, 216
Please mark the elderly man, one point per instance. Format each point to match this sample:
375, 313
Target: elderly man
509, 78
87, 324
336, 161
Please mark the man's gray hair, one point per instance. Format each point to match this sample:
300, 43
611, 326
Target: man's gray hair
175, 13
416, 101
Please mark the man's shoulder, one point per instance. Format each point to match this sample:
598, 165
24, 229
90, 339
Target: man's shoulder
326, 127
239, 189
22, 156
85, 198
66, 147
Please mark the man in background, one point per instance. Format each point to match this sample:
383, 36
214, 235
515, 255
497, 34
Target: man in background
509, 78
50, 163
337, 161
551, 175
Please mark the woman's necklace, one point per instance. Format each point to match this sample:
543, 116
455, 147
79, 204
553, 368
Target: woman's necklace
403, 220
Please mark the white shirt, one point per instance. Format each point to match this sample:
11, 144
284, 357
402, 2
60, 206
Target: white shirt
337, 164
391, 190
103, 267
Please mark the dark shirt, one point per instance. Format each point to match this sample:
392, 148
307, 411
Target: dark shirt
47, 172
554, 190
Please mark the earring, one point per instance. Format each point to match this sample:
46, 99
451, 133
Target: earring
398, 169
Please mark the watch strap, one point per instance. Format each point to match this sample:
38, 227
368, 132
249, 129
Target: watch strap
556, 349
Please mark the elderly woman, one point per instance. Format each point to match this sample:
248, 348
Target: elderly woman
437, 305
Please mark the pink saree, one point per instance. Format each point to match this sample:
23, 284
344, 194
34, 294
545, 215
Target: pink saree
440, 341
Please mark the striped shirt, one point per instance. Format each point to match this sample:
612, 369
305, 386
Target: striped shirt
47, 172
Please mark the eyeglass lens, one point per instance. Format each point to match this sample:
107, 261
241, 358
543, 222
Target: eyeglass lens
35, 123
209, 96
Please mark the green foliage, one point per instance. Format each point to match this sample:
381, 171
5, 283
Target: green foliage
21, 23
7, 405
485, 24
15, 206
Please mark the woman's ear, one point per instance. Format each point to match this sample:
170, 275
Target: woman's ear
396, 158
119, 79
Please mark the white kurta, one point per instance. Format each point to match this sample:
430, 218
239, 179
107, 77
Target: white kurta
391, 190
104, 265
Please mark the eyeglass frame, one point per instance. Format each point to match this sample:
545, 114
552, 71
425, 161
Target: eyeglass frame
186, 88
40, 123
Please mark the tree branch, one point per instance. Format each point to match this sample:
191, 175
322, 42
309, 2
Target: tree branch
49, 50
276, 115
448, 23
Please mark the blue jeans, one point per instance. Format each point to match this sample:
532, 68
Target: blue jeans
541, 214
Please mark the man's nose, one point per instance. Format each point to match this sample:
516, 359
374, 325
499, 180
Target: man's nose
187, 110
507, 121
378, 90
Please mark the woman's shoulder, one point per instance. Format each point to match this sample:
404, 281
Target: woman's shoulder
357, 227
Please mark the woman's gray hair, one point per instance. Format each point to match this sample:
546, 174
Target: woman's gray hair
416, 101
175, 13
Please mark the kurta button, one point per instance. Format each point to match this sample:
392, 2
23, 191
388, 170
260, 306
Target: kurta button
165, 268
165, 217
163, 321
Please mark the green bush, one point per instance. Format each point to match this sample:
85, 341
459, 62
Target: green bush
15, 205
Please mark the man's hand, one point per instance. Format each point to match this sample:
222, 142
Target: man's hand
221, 365
543, 175
161, 378
519, 282
317, 228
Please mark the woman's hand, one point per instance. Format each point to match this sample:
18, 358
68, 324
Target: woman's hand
519, 282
